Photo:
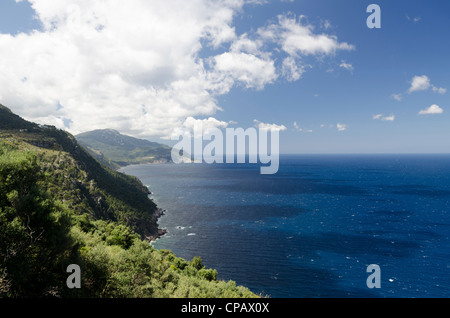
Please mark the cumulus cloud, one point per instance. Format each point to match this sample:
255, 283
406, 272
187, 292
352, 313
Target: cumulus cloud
298, 39
138, 66
420, 83
245, 44
248, 69
270, 127
133, 67
192, 126
293, 40
432, 110
423, 83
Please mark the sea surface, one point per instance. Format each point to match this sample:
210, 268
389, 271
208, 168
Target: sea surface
312, 229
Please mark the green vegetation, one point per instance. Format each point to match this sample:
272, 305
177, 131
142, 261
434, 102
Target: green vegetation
59, 206
33, 227
117, 150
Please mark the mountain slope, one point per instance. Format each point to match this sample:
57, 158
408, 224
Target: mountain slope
9, 120
59, 206
116, 149
79, 180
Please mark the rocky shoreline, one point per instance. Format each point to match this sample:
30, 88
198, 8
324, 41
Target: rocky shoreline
160, 232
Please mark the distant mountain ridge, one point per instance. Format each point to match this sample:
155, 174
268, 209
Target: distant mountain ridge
117, 150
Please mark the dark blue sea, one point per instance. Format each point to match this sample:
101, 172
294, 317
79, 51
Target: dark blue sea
312, 229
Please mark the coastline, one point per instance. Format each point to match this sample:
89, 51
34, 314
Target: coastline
155, 162
159, 212
160, 232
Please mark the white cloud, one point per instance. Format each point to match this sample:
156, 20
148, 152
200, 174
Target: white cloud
397, 97
342, 127
326, 24
249, 69
271, 127
347, 66
420, 83
245, 44
206, 126
388, 118
138, 66
131, 66
297, 127
300, 129
432, 110
291, 70
423, 83
298, 39
415, 19
378, 116
383, 117
439, 90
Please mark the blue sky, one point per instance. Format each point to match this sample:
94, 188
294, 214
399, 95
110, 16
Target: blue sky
359, 90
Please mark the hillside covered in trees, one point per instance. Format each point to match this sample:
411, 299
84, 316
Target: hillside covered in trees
60, 206
117, 150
